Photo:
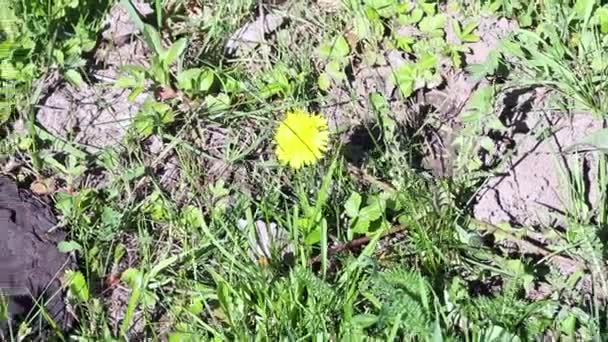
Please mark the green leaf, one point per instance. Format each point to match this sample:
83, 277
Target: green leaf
133, 278
597, 140
8, 71
205, 81
361, 226
68, 246
335, 71
153, 39
427, 62
584, 9
404, 77
433, 25
465, 34
324, 82
175, 51
144, 124
384, 8
568, 325
126, 82
428, 7
217, 103
365, 320
487, 144
373, 211
336, 49
489, 67
352, 205
74, 77
404, 43
77, 285
601, 15
133, 13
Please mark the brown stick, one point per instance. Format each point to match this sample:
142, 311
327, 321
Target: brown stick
353, 244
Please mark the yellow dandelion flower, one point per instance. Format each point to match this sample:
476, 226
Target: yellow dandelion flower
301, 138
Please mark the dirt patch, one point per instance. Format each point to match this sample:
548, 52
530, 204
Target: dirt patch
439, 100
97, 114
532, 188
31, 267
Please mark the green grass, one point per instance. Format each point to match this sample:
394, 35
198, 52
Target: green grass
180, 260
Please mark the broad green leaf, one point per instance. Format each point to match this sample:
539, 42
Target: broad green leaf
404, 43
372, 211
584, 9
68, 246
175, 51
324, 82
186, 80
361, 226
144, 124
126, 82
433, 25
77, 285
427, 62
487, 144
133, 278
429, 8
568, 325
601, 15
218, 102
74, 77
404, 77
598, 140
336, 49
364, 320
133, 14
153, 39
8, 71
313, 237
384, 8
206, 80
334, 69
352, 205
465, 34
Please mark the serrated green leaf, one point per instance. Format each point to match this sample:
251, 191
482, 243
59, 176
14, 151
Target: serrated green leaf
352, 205
433, 25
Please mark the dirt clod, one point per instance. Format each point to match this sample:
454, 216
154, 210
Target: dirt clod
533, 186
97, 113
